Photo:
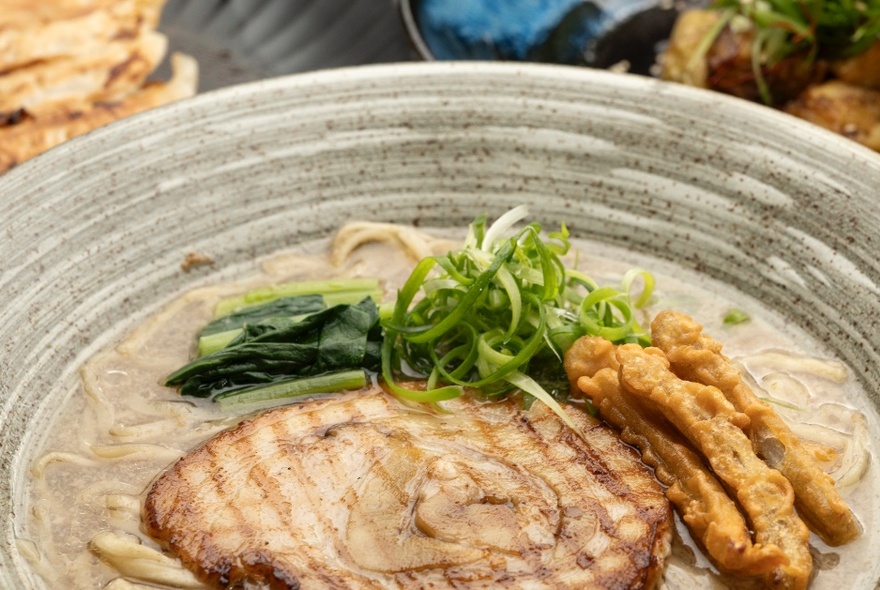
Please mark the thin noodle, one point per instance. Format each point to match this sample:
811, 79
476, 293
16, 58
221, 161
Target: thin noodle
137, 451
39, 467
144, 431
352, 236
127, 554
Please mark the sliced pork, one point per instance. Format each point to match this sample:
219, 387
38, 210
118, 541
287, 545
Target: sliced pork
360, 491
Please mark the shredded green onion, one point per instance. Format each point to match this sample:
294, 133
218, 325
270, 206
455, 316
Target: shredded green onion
484, 316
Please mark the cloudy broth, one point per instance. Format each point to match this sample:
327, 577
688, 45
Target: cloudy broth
122, 427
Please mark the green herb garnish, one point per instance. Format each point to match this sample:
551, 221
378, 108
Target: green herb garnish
734, 317
482, 316
816, 29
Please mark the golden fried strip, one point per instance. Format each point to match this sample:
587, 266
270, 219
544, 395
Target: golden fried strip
697, 357
710, 422
704, 506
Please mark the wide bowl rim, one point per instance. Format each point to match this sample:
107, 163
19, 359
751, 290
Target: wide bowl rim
732, 107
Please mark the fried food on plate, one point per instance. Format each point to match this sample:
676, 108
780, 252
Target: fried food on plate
697, 357
817, 64
104, 75
39, 30
33, 135
69, 66
709, 513
703, 52
844, 108
715, 428
861, 70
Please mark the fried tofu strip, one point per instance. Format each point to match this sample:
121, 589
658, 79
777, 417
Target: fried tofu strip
709, 513
697, 357
715, 428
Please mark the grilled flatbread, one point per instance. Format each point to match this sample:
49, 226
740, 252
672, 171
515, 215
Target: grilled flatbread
109, 74
30, 134
31, 30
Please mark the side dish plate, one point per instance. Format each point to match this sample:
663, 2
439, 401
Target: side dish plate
96, 230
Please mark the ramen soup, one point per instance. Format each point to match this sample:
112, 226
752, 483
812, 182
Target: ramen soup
123, 427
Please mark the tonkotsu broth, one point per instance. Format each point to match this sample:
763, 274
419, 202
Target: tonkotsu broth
122, 428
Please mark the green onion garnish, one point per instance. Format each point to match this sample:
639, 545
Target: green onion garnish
734, 317
485, 315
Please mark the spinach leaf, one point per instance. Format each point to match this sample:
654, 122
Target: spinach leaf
341, 338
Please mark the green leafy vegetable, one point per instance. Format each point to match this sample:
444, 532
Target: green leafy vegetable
278, 308
225, 329
486, 315
275, 349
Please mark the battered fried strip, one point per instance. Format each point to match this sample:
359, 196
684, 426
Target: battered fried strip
704, 506
697, 357
714, 427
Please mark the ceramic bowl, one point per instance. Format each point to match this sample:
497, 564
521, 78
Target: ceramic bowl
95, 230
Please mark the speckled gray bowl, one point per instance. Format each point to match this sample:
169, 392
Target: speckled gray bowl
93, 233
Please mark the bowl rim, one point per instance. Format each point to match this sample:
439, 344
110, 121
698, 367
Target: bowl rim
728, 107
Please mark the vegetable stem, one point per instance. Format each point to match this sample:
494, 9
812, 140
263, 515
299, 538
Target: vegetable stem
328, 383
350, 289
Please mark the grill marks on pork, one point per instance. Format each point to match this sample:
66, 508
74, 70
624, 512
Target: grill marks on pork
363, 492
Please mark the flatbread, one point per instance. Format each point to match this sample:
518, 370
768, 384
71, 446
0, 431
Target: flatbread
34, 30
108, 74
34, 134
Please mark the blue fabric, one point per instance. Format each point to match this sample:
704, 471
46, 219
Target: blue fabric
489, 29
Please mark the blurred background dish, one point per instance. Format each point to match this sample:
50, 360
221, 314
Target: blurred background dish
818, 62
64, 72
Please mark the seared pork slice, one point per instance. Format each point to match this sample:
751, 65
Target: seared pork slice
360, 491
